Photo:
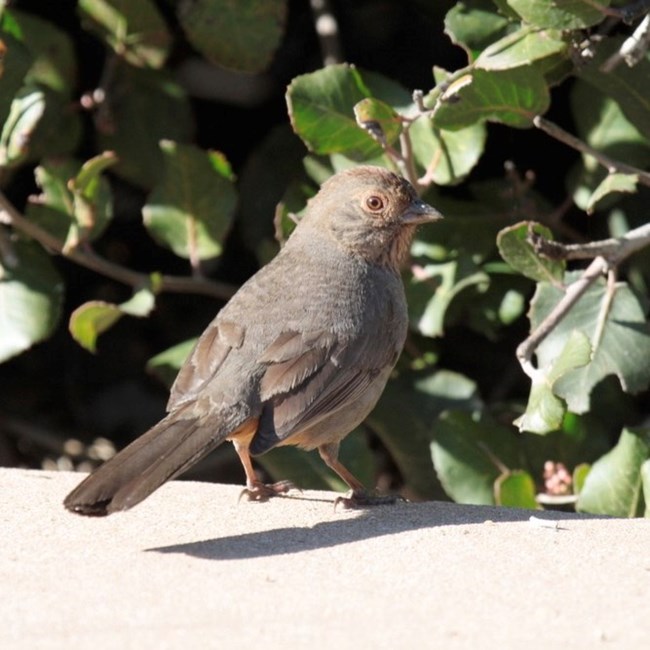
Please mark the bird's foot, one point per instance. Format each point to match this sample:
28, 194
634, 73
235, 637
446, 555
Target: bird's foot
365, 499
264, 491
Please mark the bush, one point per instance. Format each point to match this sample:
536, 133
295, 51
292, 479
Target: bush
149, 164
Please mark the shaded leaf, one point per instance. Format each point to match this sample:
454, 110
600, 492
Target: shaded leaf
433, 287
605, 128
521, 256
622, 84
411, 403
166, 364
612, 184
190, 211
469, 453
621, 349
31, 295
15, 61
513, 97
53, 57
449, 156
136, 142
135, 30
239, 26
614, 485
474, 24
580, 473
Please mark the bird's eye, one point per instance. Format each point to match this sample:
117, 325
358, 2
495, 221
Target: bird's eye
374, 203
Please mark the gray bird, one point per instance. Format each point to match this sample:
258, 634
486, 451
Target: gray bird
298, 356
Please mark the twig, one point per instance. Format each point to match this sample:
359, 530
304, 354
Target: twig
88, 258
633, 48
607, 254
327, 30
609, 163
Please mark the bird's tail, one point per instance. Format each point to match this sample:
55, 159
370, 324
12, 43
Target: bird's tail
162, 453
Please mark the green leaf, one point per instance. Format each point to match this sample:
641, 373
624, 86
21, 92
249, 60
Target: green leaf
516, 489
513, 97
580, 473
165, 365
378, 119
524, 47
95, 317
412, 402
614, 485
605, 128
545, 411
135, 30
619, 336
449, 156
76, 203
562, 14
190, 211
469, 453
624, 84
31, 295
249, 32
521, 256
136, 142
645, 481
320, 107
474, 24
53, 58
39, 123
612, 184
15, 61
433, 287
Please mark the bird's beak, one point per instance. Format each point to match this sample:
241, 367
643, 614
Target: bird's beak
420, 212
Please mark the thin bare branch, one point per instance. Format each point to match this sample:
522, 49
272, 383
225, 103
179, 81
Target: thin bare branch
607, 254
88, 258
609, 163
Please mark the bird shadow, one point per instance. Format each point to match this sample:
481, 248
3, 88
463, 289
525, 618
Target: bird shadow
370, 523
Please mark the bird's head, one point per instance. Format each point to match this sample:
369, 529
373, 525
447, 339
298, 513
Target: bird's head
370, 211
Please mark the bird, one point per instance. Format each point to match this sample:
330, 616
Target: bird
298, 356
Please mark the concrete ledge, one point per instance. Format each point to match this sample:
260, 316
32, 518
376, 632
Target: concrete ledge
193, 568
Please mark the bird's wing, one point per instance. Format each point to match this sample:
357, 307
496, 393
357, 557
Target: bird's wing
206, 358
309, 377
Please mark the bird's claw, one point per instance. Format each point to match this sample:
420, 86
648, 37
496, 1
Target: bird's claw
264, 491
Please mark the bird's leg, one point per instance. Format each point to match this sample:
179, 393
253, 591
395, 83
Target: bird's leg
255, 490
358, 497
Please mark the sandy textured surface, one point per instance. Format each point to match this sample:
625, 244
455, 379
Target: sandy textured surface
193, 568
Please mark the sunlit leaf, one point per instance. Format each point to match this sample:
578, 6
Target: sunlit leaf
191, 209
614, 486
521, 256
565, 14
617, 331
513, 97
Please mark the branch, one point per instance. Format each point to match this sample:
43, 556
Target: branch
327, 30
609, 163
607, 254
88, 258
